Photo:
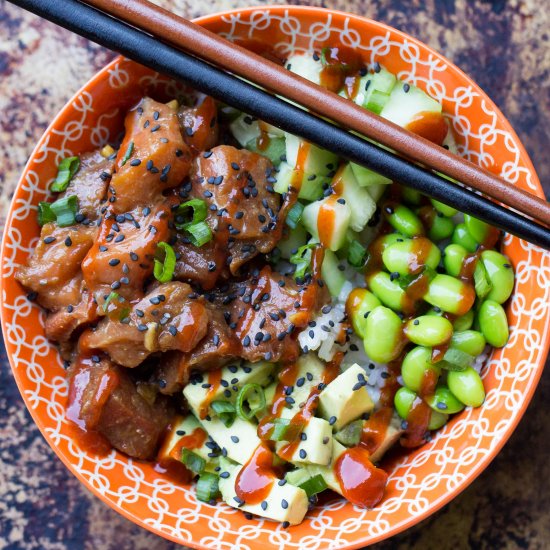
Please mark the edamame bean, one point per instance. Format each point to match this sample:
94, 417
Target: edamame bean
411, 255
428, 330
444, 401
412, 196
403, 401
476, 228
464, 322
447, 211
403, 219
467, 386
414, 367
383, 340
500, 274
387, 290
453, 259
462, 236
450, 294
359, 304
471, 342
441, 228
493, 323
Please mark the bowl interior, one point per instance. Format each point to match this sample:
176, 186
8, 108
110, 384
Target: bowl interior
420, 481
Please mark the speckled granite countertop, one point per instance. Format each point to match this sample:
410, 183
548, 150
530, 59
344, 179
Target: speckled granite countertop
505, 46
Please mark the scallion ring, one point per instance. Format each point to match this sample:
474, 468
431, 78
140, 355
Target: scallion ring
314, 485
67, 168
294, 215
192, 461
65, 210
199, 233
356, 254
208, 487
198, 213
225, 411
253, 395
164, 270
45, 214
302, 260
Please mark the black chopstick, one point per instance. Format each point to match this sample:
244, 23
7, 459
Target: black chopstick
141, 47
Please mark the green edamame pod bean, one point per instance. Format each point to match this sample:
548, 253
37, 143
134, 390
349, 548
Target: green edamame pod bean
383, 339
414, 367
467, 386
476, 228
411, 255
453, 259
462, 236
403, 400
403, 219
412, 196
450, 294
442, 228
386, 290
444, 401
447, 211
500, 274
493, 323
359, 304
471, 342
428, 330
464, 322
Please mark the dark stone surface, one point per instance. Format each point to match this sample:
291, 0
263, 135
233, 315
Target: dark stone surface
505, 46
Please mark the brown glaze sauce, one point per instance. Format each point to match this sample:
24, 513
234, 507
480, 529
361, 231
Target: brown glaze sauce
256, 478
360, 481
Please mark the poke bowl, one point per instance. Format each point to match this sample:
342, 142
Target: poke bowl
420, 479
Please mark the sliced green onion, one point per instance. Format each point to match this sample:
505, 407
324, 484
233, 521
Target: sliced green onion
67, 168
112, 296
198, 213
302, 260
481, 280
45, 214
253, 395
294, 215
164, 270
192, 461
199, 233
356, 254
225, 411
405, 280
298, 476
128, 154
286, 430
455, 359
314, 485
65, 210
350, 435
208, 487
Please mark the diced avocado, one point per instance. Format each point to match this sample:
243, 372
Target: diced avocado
345, 398
366, 177
319, 213
236, 376
240, 440
405, 102
359, 200
311, 159
183, 427
296, 238
283, 503
328, 471
392, 435
311, 449
311, 185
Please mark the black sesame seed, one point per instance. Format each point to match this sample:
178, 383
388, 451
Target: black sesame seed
155, 128
235, 439
49, 240
284, 504
332, 420
68, 241
135, 162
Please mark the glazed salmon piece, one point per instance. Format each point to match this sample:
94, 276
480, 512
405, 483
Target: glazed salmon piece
152, 158
199, 125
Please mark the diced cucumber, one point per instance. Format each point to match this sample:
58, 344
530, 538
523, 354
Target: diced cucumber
345, 398
366, 177
376, 191
403, 106
245, 128
298, 476
333, 277
235, 375
311, 159
375, 89
357, 198
331, 217
293, 511
305, 66
274, 151
296, 238
311, 185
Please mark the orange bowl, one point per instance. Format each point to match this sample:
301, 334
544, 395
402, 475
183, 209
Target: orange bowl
421, 481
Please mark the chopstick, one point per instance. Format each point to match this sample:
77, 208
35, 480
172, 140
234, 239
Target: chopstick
145, 49
197, 40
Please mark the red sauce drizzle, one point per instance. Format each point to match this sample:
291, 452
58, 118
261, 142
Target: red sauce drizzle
256, 478
214, 379
375, 428
191, 441
361, 482
263, 140
431, 126
339, 62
